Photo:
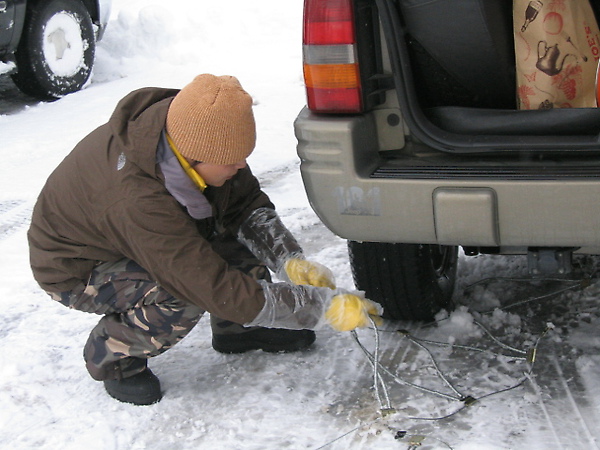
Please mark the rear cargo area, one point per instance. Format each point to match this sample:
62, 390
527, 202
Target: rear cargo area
454, 69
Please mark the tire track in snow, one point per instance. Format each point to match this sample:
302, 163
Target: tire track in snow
560, 402
14, 215
574, 405
547, 416
270, 178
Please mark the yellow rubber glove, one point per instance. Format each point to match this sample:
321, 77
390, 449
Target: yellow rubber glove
349, 311
301, 271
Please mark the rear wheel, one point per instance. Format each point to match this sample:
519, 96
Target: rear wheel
56, 51
410, 281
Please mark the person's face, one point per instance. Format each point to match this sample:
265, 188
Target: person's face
217, 174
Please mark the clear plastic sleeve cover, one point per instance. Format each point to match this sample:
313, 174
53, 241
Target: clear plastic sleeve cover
268, 239
294, 307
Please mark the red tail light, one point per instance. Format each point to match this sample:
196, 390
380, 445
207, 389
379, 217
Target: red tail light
331, 72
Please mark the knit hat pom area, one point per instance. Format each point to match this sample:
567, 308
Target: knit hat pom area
211, 120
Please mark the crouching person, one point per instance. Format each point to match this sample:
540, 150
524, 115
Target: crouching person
155, 218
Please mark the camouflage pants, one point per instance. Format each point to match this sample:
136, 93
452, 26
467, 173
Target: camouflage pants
141, 319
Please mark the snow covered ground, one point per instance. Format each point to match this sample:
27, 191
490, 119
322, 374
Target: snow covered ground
322, 398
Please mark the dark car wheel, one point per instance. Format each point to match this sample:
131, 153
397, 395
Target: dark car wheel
410, 281
56, 52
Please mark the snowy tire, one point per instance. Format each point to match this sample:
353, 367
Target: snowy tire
410, 281
56, 52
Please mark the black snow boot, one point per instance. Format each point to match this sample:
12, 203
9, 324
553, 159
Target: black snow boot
141, 389
266, 339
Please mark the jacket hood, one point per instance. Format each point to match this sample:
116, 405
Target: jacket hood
137, 122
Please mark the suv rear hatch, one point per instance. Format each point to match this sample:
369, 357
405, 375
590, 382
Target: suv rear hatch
436, 89
412, 145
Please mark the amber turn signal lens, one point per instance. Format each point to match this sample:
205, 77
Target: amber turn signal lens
331, 76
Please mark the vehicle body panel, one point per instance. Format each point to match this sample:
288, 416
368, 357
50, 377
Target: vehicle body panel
12, 16
370, 178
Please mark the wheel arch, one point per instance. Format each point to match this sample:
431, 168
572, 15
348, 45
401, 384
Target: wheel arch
97, 9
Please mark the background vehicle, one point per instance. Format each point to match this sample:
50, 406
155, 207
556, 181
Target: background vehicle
52, 43
412, 146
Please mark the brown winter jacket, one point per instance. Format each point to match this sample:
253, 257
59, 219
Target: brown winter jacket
107, 200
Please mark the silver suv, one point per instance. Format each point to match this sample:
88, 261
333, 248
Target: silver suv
50, 44
412, 146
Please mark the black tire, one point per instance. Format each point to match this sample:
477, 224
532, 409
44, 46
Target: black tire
56, 52
410, 281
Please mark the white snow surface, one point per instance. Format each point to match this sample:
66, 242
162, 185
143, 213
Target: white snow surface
321, 398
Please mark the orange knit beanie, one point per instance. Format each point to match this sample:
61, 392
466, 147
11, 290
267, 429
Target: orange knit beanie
210, 120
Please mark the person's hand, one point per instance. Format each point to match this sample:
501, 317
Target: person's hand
350, 311
302, 271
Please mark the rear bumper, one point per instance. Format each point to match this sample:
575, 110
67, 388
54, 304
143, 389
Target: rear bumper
360, 196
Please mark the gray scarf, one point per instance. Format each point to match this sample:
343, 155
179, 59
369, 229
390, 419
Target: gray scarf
179, 184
